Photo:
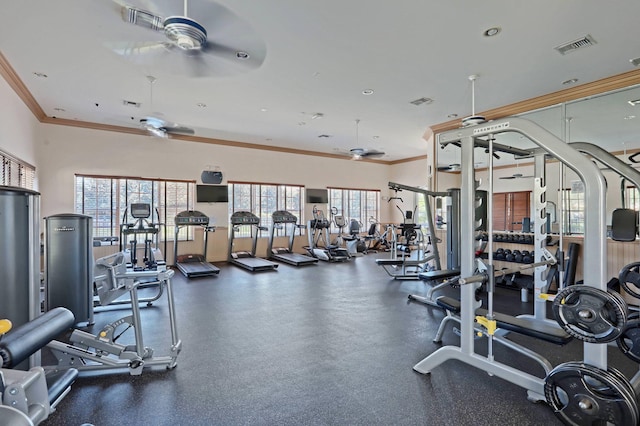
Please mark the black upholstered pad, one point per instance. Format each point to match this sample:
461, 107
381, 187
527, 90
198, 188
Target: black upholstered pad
527, 326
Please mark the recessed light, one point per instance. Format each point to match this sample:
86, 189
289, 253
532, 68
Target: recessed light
201, 105
317, 115
268, 139
570, 81
302, 123
376, 137
367, 92
630, 117
634, 103
635, 61
492, 31
40, 74
263, 110
242, 55
59, 109
452, 116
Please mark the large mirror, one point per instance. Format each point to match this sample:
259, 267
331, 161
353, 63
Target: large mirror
610, 121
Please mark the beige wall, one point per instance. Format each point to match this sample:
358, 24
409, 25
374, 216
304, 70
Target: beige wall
18, 126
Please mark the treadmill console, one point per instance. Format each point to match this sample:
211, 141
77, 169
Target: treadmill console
244, 218
191, 218
283, 216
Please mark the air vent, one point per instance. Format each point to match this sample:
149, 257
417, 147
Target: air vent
571, 46
142, 18
421, 101
131, 103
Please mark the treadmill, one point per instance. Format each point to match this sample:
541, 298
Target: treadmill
193, 265
281, 220
247, 259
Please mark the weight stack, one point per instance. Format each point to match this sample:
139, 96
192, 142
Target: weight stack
68, 263
20, 258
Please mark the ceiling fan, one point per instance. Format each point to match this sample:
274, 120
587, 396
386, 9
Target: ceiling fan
159, 127
215, 42
361, 153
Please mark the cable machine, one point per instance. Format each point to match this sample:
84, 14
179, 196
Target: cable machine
193, 265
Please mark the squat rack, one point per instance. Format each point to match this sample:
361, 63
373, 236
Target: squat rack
595, 272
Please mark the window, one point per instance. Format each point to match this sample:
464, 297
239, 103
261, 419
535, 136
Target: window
632, 198
262, 200
359, 204
573, 215
16, 172
106, 199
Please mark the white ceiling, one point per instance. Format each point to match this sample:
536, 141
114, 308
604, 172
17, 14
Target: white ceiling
319, 57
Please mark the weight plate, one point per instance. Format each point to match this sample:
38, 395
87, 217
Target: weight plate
629, 278
629, 340
585, 395
590, 314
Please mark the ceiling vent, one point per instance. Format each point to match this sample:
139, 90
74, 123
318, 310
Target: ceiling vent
421, 101
131, 103
571, 46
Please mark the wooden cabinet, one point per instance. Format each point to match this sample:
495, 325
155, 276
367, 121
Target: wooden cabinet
509, 208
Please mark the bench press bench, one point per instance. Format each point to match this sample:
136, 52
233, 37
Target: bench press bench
525, 326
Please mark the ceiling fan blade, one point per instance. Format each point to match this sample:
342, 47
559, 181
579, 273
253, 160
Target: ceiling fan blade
373, 154
142, 18
227, 56
507, 177
179, 129
141, 52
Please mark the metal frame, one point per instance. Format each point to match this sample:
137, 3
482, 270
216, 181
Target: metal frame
595, 271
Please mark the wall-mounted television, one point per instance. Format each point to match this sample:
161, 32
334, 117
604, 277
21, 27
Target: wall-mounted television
317, 196
212, 193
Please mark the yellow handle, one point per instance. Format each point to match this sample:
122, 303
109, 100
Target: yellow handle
5, 326
490, 325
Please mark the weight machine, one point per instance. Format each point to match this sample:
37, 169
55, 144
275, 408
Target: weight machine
89, 352
594, 355
401, 266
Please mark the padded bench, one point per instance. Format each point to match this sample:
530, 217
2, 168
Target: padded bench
438, 275
526, 326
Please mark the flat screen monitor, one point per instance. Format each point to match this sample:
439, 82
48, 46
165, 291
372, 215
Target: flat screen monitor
317, 196
212, 193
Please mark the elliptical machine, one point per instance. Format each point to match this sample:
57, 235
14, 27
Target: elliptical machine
149, 230
318, 234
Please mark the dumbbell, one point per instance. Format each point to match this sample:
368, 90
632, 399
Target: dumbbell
517, 256
508, 255
499, 254
527, 256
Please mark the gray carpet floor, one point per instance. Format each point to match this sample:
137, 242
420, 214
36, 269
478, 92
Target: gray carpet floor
327, 344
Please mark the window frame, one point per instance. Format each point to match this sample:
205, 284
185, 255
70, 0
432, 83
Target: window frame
345, 200
259, 200
124, 190
16, 172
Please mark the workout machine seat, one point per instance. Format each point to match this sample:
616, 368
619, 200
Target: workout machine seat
438, 275
526, 326
34, 393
